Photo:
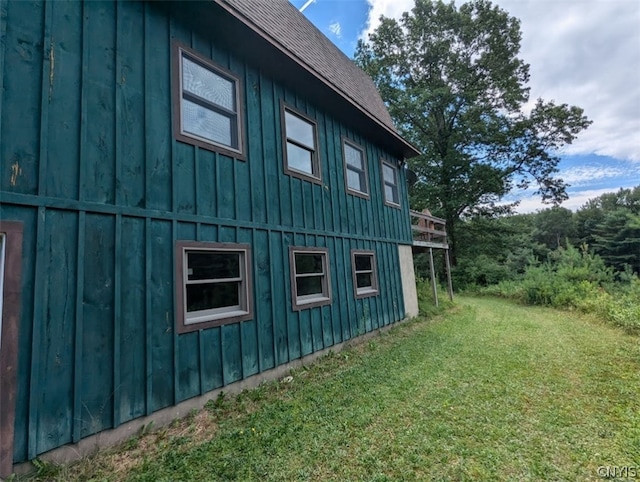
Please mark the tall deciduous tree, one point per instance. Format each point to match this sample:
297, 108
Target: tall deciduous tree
457, 90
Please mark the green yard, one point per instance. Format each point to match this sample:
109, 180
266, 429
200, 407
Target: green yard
489, 391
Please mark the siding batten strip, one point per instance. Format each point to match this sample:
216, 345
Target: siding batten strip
77, 356
117, 281
176, 345
148, 321
83, 105
3, 46
117, 319
39, 314
117, 118
48, 77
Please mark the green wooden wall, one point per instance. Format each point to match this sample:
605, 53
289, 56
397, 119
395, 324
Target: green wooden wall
89, 164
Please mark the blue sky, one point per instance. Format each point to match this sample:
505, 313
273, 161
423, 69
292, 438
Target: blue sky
581, 52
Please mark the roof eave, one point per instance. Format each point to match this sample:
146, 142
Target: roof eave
404, 148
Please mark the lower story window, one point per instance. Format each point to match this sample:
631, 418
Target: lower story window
309, 277
365, 278
214, 284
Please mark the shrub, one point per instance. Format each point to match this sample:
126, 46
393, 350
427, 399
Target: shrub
577, 279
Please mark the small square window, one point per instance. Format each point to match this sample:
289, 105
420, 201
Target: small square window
365, 276
213, 284
355, 168
300, 145
207, 104
310, 284
390, 184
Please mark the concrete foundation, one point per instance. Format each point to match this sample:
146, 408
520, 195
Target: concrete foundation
405, 255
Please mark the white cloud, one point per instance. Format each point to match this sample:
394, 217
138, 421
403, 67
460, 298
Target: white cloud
587, 175
581, 52
336, 29
576, 200
388, 8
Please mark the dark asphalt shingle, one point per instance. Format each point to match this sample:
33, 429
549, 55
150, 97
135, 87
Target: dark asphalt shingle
284, 25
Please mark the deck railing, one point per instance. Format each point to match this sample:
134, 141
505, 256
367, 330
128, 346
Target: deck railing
431, 232
428, 231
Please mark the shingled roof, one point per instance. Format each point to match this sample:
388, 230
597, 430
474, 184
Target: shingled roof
281, 24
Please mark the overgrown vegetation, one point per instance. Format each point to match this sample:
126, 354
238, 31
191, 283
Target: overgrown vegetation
555, 257
577, 279
489, 391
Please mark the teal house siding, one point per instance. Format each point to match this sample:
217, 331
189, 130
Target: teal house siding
91, 168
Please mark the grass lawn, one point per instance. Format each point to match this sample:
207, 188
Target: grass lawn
489, 391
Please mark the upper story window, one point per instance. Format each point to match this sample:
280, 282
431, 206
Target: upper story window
390, 184
309, 277
355, 166
300, 145
207, 104
213, 284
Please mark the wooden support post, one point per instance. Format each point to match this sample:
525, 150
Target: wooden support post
433, 276
448, 265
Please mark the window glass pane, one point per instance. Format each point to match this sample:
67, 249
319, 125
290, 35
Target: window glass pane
391, 193
363, 280
203, 265
300, 130
363, 262
356, 180
309, 263
389, 173
299, 159
354, 157
212, 295
311, 285
206, 123
204, 83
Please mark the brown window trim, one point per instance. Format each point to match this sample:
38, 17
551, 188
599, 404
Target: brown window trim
292, 272
384, 195
316, 153
355, 192
375, 290
176, 93
12, 293
180, 248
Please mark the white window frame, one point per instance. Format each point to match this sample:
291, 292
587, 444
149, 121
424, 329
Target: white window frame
316, 174
309, 301
236, 148
197, 320
395, 185
347, 167
362, 292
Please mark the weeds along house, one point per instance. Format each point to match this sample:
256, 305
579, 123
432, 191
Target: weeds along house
192, 194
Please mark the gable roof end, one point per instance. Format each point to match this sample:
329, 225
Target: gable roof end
282, 25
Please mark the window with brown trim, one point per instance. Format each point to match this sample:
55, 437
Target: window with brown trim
207, 104
213, 284
300, 138
310, 284
390, 183
365, 276
355, 168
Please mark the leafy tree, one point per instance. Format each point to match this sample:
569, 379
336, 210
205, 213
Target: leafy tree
610, 224
457, 90
554, 227
617, 239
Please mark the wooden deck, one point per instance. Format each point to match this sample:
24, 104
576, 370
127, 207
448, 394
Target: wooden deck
428, 231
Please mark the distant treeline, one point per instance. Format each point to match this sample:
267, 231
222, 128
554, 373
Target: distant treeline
587, 260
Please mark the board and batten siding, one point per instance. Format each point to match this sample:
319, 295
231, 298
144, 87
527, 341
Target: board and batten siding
92, 170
